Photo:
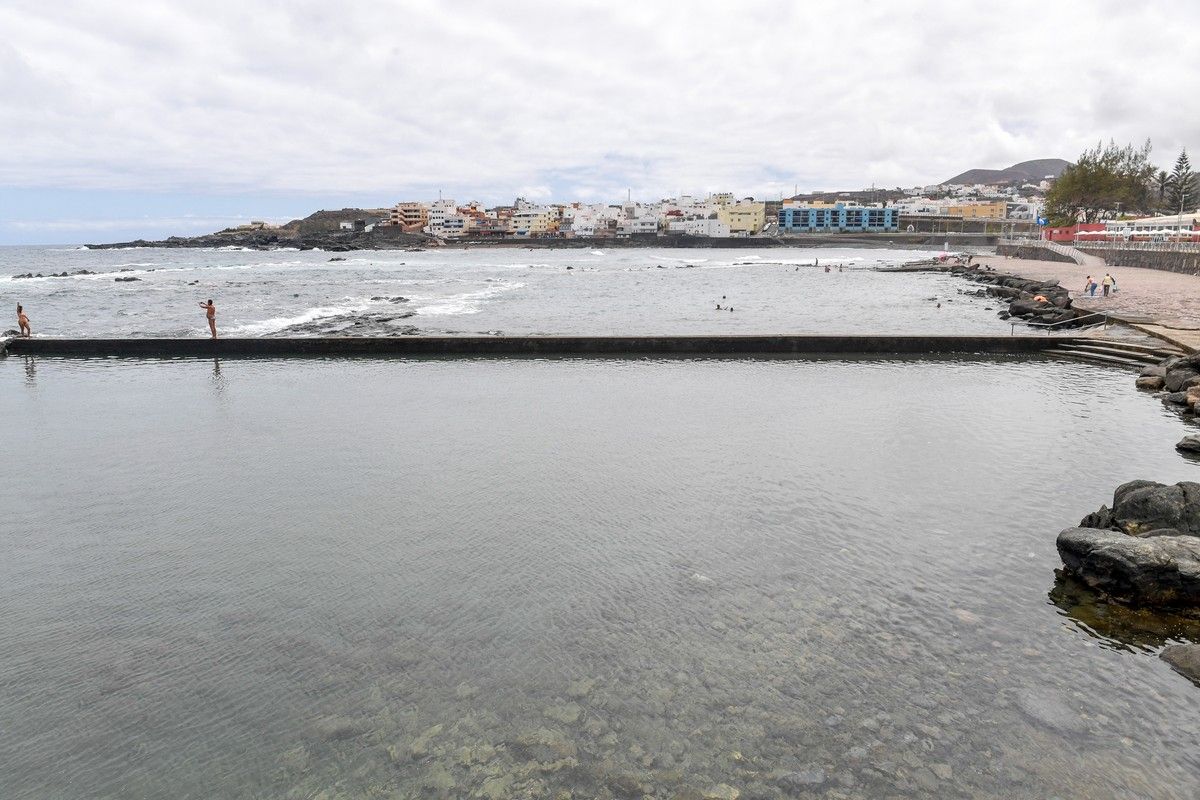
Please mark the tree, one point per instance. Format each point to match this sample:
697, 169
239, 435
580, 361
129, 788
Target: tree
1104, 179
1162, 182
1181, 190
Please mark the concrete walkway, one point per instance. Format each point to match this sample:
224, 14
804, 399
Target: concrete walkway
1163, 304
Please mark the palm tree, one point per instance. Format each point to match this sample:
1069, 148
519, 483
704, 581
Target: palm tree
1162, 182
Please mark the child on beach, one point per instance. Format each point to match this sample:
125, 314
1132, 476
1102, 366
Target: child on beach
22, 321
210, 311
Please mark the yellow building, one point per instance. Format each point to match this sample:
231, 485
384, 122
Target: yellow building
534, 221
994, 210
744, 217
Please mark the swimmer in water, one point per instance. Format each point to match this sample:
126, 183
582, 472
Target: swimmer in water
210, 311
22, 321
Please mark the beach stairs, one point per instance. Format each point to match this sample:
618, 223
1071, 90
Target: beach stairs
1114, 353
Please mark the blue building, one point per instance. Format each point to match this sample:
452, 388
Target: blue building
837, 218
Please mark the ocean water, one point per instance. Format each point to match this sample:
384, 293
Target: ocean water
575, 578
513, 291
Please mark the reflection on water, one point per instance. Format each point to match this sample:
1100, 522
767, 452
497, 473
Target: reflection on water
1120, 626
614, 579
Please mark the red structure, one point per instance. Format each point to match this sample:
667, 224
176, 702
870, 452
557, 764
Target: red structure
1068, 234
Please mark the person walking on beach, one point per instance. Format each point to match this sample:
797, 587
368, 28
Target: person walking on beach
210, 311
1108, 283
22, 321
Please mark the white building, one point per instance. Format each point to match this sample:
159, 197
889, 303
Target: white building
640, 223
444, 220
715, 228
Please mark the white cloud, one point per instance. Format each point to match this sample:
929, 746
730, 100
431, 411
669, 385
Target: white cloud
488, 100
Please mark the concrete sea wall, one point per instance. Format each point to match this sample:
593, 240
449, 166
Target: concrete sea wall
1032, 253
536, 346
1171, 261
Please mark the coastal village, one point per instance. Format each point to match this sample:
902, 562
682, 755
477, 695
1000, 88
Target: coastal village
722, 214
990, 203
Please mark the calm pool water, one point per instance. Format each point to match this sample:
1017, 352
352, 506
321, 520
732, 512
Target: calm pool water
612, 578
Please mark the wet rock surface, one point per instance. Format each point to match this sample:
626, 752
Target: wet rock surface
1184, 659
1157, 570
367, 323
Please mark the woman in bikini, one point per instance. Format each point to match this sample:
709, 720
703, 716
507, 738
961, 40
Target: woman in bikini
210, 311
22, 321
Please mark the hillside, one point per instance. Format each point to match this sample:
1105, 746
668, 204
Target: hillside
1026, 171
329, 221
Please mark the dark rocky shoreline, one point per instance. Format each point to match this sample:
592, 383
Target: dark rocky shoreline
1144, 552
283, 239
1036, 302
387, 238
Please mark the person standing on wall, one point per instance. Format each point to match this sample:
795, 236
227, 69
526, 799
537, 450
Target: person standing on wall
22, 321
210, 311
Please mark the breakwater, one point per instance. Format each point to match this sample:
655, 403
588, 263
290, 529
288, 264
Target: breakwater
506, 346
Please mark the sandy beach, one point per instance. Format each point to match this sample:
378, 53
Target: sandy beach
1169, 299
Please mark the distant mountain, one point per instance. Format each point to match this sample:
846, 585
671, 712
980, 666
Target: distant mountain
1026, 171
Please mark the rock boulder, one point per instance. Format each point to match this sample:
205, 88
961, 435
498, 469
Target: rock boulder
1159, 570
1184, 659
1142, 506
1176, 378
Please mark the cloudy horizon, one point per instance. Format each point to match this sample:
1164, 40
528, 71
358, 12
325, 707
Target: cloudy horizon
131, 120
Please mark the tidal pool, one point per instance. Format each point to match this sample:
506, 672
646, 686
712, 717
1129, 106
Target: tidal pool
574, 578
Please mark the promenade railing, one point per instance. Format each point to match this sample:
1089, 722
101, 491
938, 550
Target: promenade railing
1152, 247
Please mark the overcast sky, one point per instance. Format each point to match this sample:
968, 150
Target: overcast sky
125, 119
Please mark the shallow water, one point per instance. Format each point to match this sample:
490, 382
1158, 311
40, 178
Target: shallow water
513, 291
391, 579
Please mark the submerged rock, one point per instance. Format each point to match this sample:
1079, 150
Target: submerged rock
566, 713
543, 745
1046, 707
1184, 659
336, 728
801, 780
1161, 570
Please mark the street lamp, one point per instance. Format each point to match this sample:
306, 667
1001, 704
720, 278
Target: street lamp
1179, 220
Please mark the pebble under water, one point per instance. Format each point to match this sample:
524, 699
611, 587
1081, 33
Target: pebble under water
580, 578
